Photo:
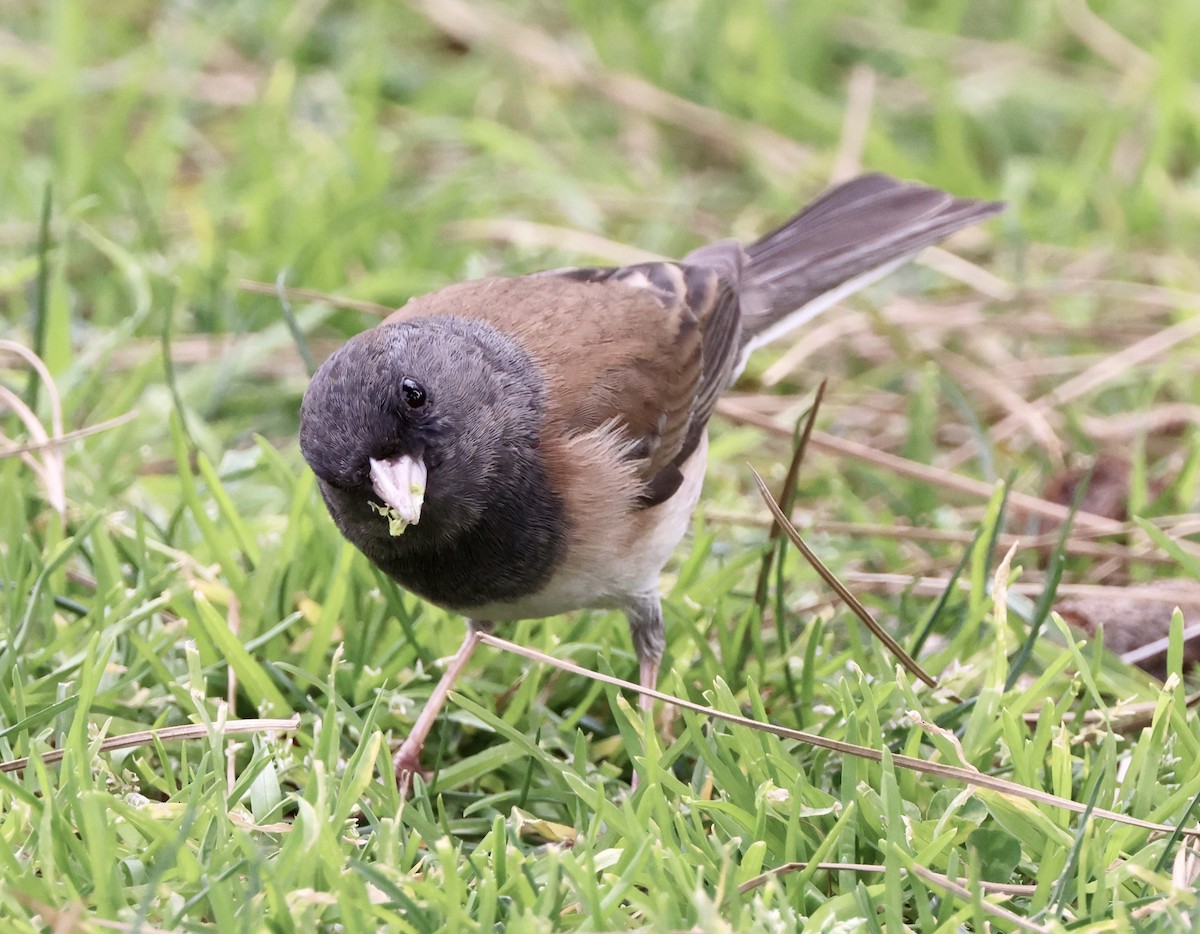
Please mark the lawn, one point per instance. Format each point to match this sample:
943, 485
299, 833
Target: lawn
200, 681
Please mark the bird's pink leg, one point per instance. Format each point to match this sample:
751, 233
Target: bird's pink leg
408, 756
649, 679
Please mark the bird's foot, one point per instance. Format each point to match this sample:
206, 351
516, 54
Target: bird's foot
407, 763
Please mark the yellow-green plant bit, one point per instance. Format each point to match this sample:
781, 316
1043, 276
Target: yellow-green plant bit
396, 522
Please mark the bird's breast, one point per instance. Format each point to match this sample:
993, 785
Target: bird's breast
618, 556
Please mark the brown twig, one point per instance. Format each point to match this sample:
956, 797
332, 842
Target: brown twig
839, 588
787, 495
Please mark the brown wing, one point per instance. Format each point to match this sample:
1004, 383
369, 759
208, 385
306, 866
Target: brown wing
647, 347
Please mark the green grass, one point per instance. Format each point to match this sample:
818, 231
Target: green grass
160, 157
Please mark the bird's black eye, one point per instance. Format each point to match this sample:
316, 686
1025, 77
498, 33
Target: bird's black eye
414, 392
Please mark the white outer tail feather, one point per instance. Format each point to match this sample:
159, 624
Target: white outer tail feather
809, 310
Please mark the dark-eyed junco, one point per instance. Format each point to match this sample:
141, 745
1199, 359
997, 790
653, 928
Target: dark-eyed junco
514, 448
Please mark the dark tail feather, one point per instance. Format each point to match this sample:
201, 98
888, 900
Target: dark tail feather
846, 239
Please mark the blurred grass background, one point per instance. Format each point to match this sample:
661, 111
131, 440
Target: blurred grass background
171, 168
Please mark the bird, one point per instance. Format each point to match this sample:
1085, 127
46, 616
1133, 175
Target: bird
520, 447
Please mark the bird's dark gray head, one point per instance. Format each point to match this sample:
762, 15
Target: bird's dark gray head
445, 403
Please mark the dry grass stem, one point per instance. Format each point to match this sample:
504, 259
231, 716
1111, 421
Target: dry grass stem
961, 891
855, 605
1117, 429
936, 585
972, 777
732, 408
67, 437
1032, 418
1157, 648
856, 122
550, 237
1105, 41
976, 277
1075, 545
313, 295
52, 469
1092, 378
183, 733
476, 24
998, 888
810, 341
